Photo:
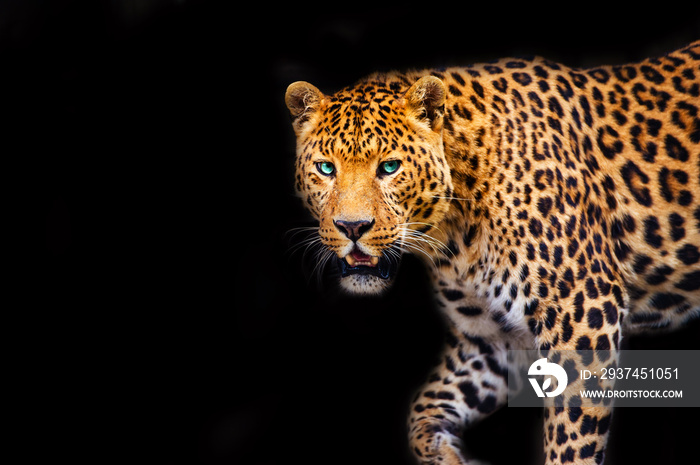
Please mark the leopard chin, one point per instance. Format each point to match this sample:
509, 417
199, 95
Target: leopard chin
365, 284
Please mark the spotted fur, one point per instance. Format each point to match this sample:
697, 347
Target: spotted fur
555, 207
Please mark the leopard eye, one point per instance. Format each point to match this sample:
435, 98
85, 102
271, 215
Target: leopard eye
326, 168
389, 167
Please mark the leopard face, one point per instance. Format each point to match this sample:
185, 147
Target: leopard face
371, 169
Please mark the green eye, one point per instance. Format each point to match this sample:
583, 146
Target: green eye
389, 167
326, 168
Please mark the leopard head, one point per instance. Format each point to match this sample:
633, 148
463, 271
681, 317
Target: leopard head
371, 169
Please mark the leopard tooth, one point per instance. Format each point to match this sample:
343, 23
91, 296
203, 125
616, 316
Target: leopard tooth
374, 261
351, 260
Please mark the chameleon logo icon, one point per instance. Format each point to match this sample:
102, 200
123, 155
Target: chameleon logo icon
543, 367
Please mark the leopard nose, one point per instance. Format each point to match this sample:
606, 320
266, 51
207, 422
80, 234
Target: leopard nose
353, 230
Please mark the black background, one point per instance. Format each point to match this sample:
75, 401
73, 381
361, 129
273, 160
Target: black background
163, 318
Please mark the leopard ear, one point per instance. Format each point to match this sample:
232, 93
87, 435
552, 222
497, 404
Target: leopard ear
302, 100
426, 98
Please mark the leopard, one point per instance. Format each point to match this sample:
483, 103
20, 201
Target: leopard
553, 208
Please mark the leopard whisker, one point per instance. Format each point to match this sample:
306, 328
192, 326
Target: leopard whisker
459, 199
437, 245
323, 257
417, 246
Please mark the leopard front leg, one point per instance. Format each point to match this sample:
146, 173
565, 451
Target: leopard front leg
585, 333
576, 435
469, 384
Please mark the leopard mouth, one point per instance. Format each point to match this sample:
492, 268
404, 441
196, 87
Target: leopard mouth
357, 262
